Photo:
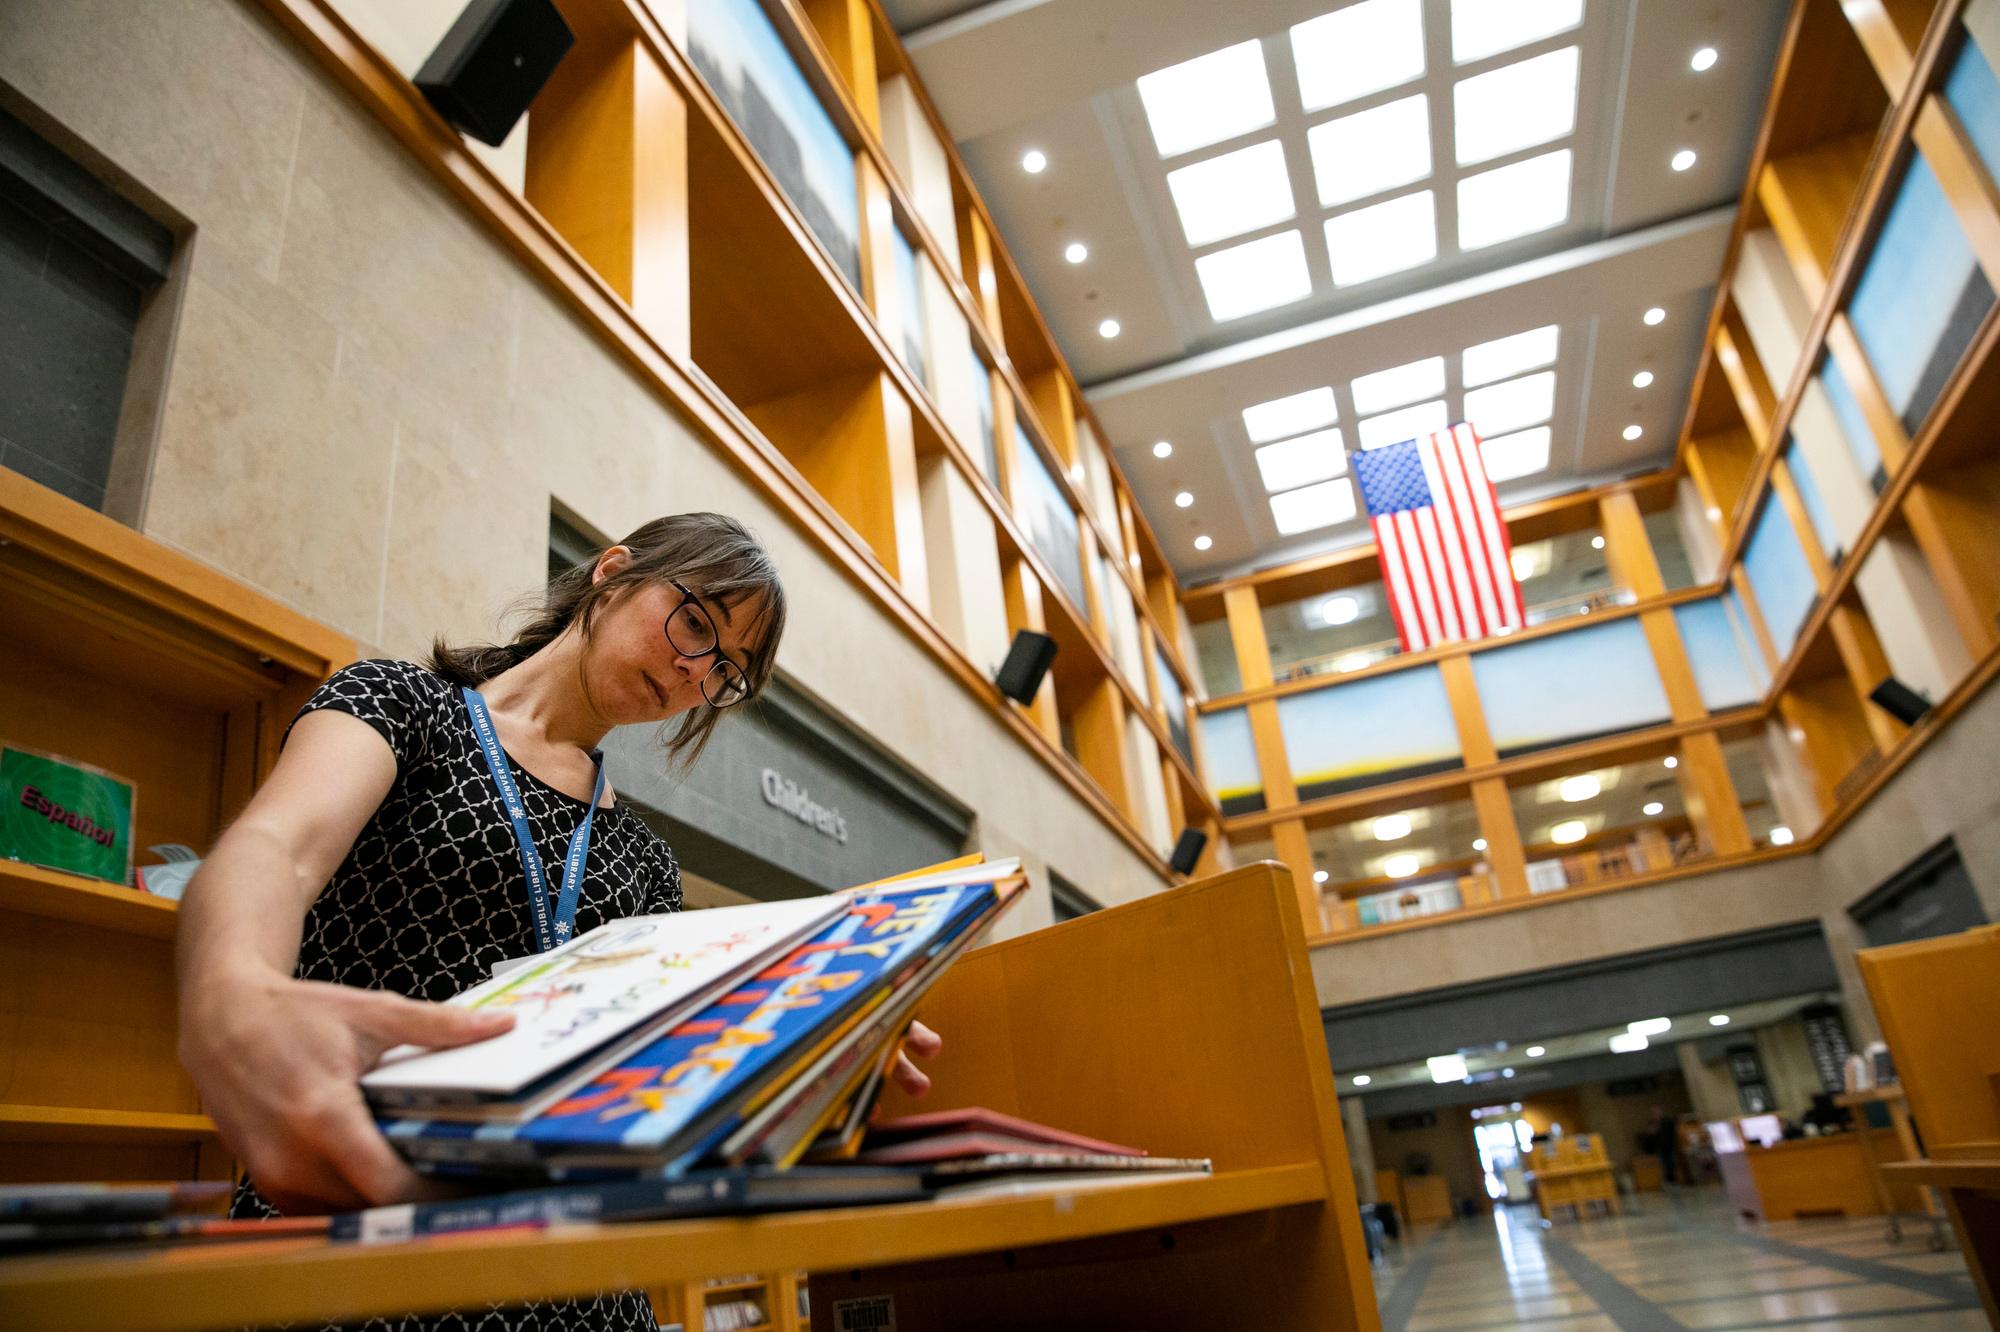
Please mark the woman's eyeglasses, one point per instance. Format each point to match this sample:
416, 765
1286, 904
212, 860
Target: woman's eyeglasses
691, 633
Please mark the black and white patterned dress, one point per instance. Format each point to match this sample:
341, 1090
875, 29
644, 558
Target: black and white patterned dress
432, 895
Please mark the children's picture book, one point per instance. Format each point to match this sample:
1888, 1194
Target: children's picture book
979, 1120
579, 1007
667, 1104
93, 1201
30, 1236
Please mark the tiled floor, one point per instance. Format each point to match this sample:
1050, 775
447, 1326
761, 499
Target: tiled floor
1672, 1261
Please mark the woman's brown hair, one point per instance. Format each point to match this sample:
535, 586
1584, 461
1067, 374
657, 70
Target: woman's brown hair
713, 552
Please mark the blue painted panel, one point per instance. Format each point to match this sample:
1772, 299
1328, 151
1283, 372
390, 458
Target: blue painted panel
1815, 504
1233, 776
1854, 431
1369, 731
1722, 669
1570, 686
1780, 576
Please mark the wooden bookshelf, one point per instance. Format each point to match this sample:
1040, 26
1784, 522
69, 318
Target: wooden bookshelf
1040, 1026
139, 660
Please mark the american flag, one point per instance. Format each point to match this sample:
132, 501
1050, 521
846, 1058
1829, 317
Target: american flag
1446, 560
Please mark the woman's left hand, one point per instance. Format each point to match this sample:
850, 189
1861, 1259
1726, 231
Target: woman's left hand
924, 1043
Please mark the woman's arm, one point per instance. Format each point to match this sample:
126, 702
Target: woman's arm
278, 1060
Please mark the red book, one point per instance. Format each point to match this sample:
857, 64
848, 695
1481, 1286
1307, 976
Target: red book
973, 1131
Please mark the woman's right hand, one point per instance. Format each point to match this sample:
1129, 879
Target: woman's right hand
278, 1063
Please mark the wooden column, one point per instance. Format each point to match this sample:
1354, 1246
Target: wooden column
1025, 611
1099, 725
1890, 437
1967, 188
1747, 381
1056, 409
1867, 665
880, 282
975, 248
1253, 663
1290, 844
847, 30
1823, 714
1955, 528
1755, 614
608, 168
1490, 799
1713, 806
1627, 549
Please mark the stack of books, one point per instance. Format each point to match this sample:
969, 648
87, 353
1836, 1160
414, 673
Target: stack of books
657, 1045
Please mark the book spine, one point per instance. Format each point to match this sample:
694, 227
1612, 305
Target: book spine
629, 1200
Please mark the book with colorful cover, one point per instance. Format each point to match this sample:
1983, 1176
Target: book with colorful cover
579, 1007
931, 1126
666, 1103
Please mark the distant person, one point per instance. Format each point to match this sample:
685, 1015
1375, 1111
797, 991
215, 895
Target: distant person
1659, 1139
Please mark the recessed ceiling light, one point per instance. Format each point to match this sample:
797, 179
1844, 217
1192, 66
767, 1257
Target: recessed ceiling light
1719, 1020
1208, 99
1446, 1068
1482, 28
1656, 315
1358, 50
1340, 610
1076, 252
1650, 1026
1633, 431
1628, 1042
1232, 193
1291, 415
1362, 1079
1371, 151
1402, 865
1392, 827
1506, 1072
1537, 1051
1644, 379
1781, 836
1653, 808
1258, 275
1575, 789
1108, 329
1479, 844
1500, 409
1568, 831
1514, 200
1313, 506
1320, 876
1514, 456
1163, 450
1034, 161
1382, 238
1597, 543
1426, 418
1516, 106
1503, 358
1672, 762
1202, 543
1183, 500
1399, 384
1292, 463
1683, 159
1704, 59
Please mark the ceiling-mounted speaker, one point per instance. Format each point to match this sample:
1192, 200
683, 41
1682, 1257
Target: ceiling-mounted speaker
491, 64
1028, 660
1899, 701
1187, 850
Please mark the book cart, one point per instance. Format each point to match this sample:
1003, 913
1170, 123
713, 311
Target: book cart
1183, 1022
131, 657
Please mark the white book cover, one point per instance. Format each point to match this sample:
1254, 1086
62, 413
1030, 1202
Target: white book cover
617, 979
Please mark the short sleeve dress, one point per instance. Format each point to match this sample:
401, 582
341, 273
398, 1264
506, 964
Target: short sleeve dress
432, 895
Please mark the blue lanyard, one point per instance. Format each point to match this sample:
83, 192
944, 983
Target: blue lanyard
548, 933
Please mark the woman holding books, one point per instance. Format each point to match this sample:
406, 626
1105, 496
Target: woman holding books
427, 822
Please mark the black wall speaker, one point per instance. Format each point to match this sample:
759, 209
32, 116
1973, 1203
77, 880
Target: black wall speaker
1899, 701
1028, 660
1187, 850
491, 64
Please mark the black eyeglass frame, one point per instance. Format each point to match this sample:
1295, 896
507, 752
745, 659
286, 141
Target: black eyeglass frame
690, 598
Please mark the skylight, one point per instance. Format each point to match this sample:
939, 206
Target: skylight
1296, 462
1234, 193
1382, 238
1208, 99
1501, 408
1322, 505
1291, 415
1481, 28
1511, 456
1371, 151
1398, 385
1515, 200
1503, 358
1410, 423
1260, 275
1516, 106
1358, 50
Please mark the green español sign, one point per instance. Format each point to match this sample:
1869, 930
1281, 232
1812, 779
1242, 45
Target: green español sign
65, 816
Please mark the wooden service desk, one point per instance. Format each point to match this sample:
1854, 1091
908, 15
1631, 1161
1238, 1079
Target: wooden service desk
1184, 1023
1825, 1176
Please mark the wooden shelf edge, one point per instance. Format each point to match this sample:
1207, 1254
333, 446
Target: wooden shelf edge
55, 895
266, 1281
48, 1123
